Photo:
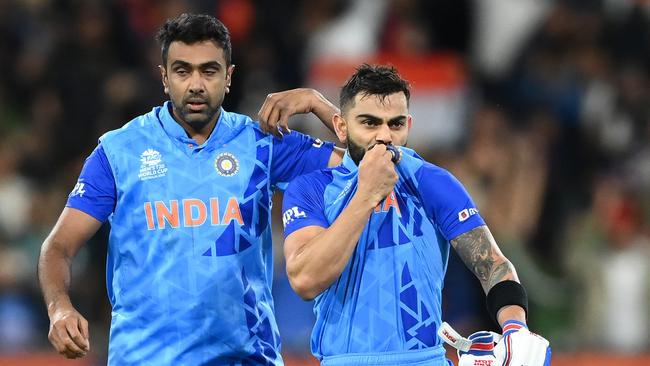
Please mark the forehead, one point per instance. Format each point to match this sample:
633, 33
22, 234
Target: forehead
196, 53
392, 105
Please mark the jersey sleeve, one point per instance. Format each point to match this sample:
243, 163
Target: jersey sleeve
446, 202
303, 204
95, 192
297, 154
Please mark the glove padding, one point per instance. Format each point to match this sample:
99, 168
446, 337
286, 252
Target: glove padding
520, 347
481, 352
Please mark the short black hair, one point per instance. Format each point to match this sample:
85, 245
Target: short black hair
380, 80
193, 28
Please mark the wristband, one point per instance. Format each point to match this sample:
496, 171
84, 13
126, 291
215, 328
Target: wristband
506, 293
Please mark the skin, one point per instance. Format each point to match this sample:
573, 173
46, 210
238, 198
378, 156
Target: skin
316, 256
196, 78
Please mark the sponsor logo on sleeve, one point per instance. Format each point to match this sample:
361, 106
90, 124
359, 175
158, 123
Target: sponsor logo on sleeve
291, 214
466, 214
78, 190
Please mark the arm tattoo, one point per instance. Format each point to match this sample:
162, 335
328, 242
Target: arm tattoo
480, 253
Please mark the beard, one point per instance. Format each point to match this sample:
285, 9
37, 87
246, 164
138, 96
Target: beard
197, 120
356, 151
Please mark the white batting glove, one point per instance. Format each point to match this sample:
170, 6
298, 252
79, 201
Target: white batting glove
520, 347
477, 350
481, 352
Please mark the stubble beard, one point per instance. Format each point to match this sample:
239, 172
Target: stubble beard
197, 120
356, 151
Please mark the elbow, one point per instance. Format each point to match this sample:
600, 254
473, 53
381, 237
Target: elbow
307, 288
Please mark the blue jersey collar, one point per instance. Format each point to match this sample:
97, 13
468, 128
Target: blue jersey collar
177, 132
349, 163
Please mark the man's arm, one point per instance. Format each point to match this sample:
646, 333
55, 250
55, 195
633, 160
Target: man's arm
481, 254
278, 107
68, 329
317, 256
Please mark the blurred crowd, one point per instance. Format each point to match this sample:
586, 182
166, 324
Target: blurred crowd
547, 125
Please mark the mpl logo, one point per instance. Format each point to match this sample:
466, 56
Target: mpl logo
317, 143
466, 214
291, 214
483, 362
78, 190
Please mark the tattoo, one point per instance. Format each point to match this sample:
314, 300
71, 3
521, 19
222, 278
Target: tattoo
480, 253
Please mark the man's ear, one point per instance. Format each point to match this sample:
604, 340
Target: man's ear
340, 127
163, 77
409, 122
229, 72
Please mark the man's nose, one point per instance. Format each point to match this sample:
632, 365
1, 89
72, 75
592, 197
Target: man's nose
196, 83
384, 135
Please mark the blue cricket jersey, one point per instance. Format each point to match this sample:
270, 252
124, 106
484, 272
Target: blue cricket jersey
189, 266
386, 305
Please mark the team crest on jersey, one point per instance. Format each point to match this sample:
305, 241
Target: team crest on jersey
226, 164
151, 165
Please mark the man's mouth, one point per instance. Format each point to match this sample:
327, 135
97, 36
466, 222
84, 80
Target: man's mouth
196, 105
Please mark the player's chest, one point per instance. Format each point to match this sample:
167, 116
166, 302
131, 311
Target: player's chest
166, 171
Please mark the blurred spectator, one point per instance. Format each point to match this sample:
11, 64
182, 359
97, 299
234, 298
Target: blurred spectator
527, 102
15, 191
609, 257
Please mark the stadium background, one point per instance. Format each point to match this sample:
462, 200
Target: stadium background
542, 109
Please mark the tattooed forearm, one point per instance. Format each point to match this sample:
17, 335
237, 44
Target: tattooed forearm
482, 256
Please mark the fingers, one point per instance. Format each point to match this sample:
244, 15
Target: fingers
69, 336
279, 107
264, 114
380, 152
283, 122
270, 115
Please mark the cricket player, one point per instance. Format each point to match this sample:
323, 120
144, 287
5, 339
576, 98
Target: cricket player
369, 239
187, 191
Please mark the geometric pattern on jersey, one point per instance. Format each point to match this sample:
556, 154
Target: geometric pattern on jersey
388, 297
391, 232
252, 208
419, 326
186, 293
259, 328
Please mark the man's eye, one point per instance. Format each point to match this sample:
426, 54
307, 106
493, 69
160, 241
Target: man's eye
210, 72
181, 71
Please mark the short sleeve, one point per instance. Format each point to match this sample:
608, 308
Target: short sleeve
297, 154
446, 201
95, 192
303, 202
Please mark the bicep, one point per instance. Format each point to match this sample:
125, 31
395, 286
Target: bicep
72, 230
297, 240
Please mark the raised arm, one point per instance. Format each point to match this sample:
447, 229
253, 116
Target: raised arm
278, 107
68, 329
481, 254
316, 256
